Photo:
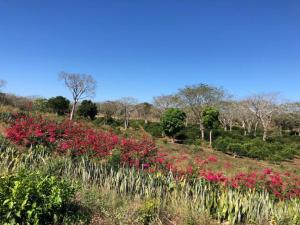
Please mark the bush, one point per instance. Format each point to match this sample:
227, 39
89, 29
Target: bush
30, 198
189, 135
256, 148
87, 109
148, 212
155, 129
59, 105
172, 121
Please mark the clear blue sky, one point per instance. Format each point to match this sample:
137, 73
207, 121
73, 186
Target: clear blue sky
146, 48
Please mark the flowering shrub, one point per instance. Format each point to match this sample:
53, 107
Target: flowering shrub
75, 139
33, 131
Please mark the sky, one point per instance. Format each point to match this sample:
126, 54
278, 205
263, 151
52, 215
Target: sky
148, 48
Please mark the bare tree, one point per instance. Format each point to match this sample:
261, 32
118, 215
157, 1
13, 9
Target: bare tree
80, 85
264, 106
127, 105
108, 108
227, 114
196, 97
164, 102
144, 110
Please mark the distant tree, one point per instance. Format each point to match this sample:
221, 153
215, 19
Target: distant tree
165, 102
127, 106
264, 106
144, 110
197, 97
81, 86
211, 121
59, 105
87, 109
172, 121
41, 105
108, 109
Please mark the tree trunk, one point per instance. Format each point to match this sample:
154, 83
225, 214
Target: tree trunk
230, 126
202, 131
210, 138
225, 128
255, 129
265, 134
73, 110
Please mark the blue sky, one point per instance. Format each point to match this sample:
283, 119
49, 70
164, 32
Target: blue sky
147, 48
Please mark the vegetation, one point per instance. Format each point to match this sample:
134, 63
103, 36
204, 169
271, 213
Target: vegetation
87, 109
172, 121
120, 168
59, 105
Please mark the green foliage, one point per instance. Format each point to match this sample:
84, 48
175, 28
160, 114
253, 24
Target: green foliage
189, 135
87, 109
148, 212
172, 121
30, 198
210, 118
59, 105
155, 129
256, 148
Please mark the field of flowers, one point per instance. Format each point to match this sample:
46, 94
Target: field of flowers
137, 167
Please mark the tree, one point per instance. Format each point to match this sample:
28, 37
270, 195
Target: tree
59, 105
264, 107
87, 109
81, 86
41, 105
144, 110
172, 121
165, 102
210, 116
197, 97
108, 109
227, 114
126, 108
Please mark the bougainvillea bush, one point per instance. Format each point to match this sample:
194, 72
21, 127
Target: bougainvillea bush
75, 139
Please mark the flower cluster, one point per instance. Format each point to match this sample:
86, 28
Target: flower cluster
76, 139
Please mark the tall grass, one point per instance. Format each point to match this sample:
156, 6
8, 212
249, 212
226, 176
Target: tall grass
196, 197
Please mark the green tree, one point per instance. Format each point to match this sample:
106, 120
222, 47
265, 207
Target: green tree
87, 109
210, 117
172, 121
59, 105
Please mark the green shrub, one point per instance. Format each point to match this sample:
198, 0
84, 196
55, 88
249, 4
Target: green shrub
188, 135
237, 149
155, 129
30, 198
148, 212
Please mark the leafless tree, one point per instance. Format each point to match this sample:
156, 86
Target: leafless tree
264, 106
80, 85
245, 117
127, 105
164, 102
108, 108
227, 114
196, 97
144, 110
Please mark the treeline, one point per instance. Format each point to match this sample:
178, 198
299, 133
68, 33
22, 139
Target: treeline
257, 112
